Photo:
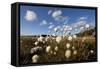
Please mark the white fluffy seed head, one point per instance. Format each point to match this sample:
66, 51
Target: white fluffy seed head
48, 49
70, 38
43, 42
35, 49
51, 52
54, 53
68, 45
56, 48
63, 36
40, 39
36, 43
67, 53
32, 50
74, 36
65, 29
75, 52
81, 28
70, 28
46, 39
55, 29
73, 47
35, 58
87, 25
53, 35
58, 39
91, 51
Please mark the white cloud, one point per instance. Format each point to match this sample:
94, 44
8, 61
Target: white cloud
51, 26
30, 15
61, 19
81, 28
66, 20
56, 13
82, 18
67, 28
92, 24
44, 22
50, 23
79, 24
49, 12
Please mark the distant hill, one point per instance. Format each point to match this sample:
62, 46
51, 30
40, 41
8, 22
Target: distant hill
35, 35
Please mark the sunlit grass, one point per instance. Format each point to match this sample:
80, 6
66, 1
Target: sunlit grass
78, 49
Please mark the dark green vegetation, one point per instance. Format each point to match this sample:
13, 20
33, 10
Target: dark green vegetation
87, 33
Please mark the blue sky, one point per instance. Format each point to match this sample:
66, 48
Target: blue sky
36, 20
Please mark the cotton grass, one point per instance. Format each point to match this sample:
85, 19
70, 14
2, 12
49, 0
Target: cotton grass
70, 38
68, 45
67, 53
35, 58
58, 39
75, 52
48, 49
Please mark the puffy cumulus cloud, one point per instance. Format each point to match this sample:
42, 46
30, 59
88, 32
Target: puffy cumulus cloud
30, 15
56, 13
44, 22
